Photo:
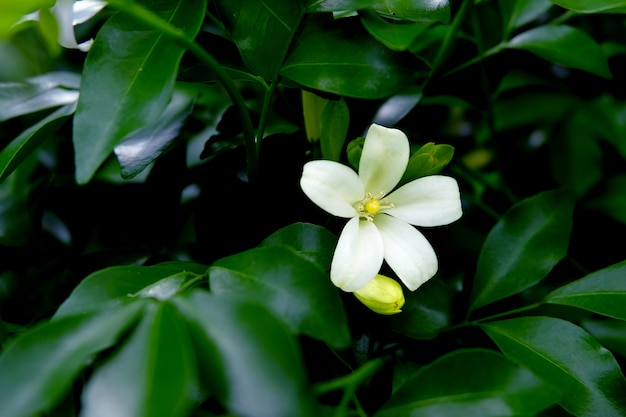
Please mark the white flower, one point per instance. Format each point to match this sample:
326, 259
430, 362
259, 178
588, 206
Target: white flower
380, 220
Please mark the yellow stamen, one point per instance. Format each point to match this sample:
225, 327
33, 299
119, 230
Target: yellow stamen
372, 206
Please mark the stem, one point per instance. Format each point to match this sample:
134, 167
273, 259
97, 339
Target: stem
352, 380
269, 93
487, 53
508, 313
150, 19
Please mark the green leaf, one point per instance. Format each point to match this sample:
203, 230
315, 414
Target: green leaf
297, 290
532, 108
563, 45
334, 128
142, 147
471, 383
30, 139
611, 199
113, 286
394, 34
313, 242
603, 292
250, 361
426, 311
593, 6
429, 159
569, 358
127, 80
516, 13
344, 59
12, 11
417, 10
38, 368
522, 248
609, 332
262, 30
153, 373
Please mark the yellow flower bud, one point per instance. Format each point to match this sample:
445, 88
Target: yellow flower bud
382, 295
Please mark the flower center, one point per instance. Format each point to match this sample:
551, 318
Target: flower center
370, 205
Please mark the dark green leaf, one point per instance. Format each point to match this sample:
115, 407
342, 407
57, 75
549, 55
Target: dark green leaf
394, 34
609, 332
117, 285
345, 60
612, 199
426, 311
593, 6
603, 292
564, 45
262, 30
127, 80
38, 368
153, 373
516, 13
335, 121
417, 10
288, 284
569, 358
339, 5
471, 383
531, 109
30, 139
523, 246
314, 242
250, 361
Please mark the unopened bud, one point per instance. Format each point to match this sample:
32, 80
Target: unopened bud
382, 295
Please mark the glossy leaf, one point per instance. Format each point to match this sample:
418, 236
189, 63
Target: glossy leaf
30, 139
153, 373
396, 35
609, 332
426, 311
313, 242
339, 5
142, 147
345, 60
569, 358
429, 159
417, 10
603, 292
127, 80
396, 107
262, 30
113, 286
39, 367
516, 13
297, 290
471, 383
248, 358
564, 45
593, 6
522, 248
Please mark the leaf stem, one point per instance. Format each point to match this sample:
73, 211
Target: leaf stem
150, 19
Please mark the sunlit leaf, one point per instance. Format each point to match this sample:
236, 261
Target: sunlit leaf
593, 6
285, 282
127, 80
603, 292
417, 10
568, 357
11, 12
471, 383
523, 246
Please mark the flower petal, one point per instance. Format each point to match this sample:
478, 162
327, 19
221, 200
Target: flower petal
358, 255
429, 201
332, 186
407, 251
384, 159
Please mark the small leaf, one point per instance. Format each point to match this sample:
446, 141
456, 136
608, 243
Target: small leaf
522, 248
247, 357
567, 357
298, 291
516, 13
429, 159
394, 34
334, 128
603, 292
471, 383
38, 368
153, 373
127, 80
12, 12
564, 45
593, 6
313, 242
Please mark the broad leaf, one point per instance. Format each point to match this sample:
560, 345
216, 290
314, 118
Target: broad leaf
522, 248
262, 30
345, 60
471, 383
39, 367
153, 373
117, 285
569, 358
593, 6
314, 242
247, 357
603, 292
609, 332
564, 45
396, 35
127, 80
285, 282
417, 10
516, 13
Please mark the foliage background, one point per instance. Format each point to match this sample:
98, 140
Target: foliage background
157, 256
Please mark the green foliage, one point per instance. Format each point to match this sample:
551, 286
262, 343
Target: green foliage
159, 258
